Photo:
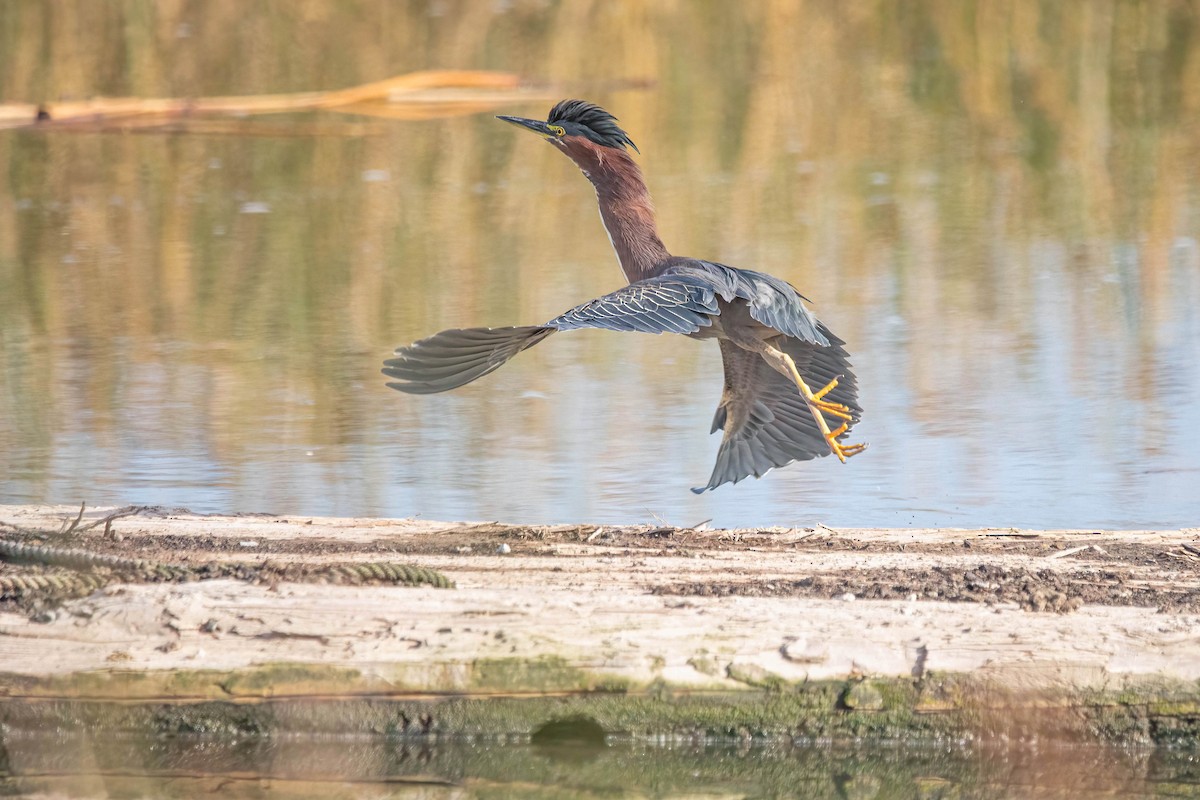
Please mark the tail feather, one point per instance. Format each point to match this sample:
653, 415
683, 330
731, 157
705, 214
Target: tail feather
456, 357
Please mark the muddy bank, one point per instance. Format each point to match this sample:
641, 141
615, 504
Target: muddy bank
648, 631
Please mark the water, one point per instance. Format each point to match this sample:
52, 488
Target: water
80, 767
996, 205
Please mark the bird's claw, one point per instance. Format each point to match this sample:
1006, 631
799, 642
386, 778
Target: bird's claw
841, 411
843, 451
838, 410
819, 406
829, 387
832, 409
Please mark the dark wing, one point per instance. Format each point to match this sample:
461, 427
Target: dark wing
767, 424
664, 304
456, 357
772, 301
447, 360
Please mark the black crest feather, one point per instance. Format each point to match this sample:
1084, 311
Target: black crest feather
593, 121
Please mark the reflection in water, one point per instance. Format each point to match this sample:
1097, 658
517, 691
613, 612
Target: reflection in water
995, 204
82, 767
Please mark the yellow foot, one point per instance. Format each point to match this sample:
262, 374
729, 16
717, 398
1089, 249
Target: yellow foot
829, 387
842, 451
814, 400
818, 407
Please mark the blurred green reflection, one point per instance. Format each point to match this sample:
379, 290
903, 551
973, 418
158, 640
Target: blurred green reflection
82, 767
994, 203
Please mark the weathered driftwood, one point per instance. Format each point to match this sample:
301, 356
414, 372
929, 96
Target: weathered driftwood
416, 95
649, 631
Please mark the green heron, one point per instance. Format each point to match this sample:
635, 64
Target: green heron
769, 340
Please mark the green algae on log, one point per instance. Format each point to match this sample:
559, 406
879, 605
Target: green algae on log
510, 699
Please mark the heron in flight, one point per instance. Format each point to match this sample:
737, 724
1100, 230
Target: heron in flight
772, 346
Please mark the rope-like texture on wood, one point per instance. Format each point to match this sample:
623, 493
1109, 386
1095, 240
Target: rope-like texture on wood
377, 572
78, 571
71, 582
71, 558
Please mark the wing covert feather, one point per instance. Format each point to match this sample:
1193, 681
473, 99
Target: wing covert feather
664, 304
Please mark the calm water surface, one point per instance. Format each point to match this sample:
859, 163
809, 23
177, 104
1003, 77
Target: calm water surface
996, 205
68, 766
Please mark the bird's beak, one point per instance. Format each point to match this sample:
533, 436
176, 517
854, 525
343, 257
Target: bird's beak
529, 124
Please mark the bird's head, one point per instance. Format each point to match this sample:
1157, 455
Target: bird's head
584, 131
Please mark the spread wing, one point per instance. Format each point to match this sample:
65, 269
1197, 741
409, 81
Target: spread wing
771, 301
767, 424
453, 358
456, 357
664, 304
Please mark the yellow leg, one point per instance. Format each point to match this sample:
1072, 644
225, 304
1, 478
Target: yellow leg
829, 387
817, 405
836, 409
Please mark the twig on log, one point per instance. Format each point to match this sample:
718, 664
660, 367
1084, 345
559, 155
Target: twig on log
64, 529
127, 511
1074, 550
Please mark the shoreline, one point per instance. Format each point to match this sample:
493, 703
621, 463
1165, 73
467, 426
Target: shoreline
649, 631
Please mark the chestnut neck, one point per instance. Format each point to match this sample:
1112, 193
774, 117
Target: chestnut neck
625, 208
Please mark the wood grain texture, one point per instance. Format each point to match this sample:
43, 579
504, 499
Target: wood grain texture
694, 608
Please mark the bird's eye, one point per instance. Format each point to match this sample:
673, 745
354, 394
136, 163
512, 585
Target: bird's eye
557, 130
